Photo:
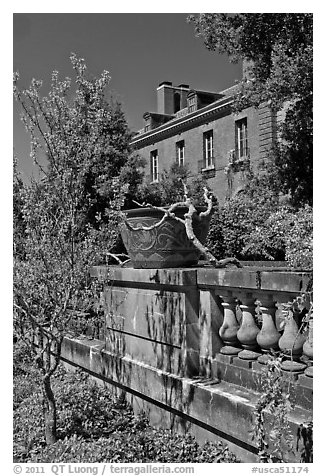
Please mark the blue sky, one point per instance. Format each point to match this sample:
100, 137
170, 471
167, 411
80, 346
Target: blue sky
138, 49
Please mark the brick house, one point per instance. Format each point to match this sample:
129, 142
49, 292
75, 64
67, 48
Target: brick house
198, 129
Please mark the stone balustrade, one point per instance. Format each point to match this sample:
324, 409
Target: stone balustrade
186, 321
247, 307
254, 333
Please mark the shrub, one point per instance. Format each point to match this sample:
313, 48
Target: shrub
287, 230
299, 241
268, 239
25, 375
233, 223
94, 412
95, 426
254, 226
28, 426
149, 445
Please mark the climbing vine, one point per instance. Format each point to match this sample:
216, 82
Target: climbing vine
272, 409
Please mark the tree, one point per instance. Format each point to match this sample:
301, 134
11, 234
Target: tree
18, 221
70, 216
278, 52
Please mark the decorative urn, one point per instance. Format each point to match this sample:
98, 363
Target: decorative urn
155, 243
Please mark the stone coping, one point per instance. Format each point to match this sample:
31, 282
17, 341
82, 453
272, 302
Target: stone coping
170, 276
247, 278
257, 279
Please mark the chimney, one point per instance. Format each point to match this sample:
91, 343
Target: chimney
165, 98
184, 90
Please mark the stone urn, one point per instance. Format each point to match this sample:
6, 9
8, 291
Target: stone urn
163, 246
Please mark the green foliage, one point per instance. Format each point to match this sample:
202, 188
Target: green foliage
258, 224
271, 429
132, 173
26, 376
94, 426
305, 436
170, 188
288, 230
79, 138
236, 220
299, 240
147, 446
277, 46
94, 412
293, 154
271, 414
278, 52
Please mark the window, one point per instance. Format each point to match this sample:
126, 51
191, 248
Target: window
192, 104
147, 127
241, 139
154, 166
208, 149
180, 148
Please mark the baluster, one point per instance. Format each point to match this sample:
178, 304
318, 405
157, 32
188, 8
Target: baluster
268, 337
308, 349
228, 330
291, 344
248, 330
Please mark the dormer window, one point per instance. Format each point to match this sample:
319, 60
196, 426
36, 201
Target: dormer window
192, 103
147, 122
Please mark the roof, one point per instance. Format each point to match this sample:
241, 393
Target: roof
185, 121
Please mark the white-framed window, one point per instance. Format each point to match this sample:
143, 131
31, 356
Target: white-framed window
241, 138
208, 149
154, 165
180, 150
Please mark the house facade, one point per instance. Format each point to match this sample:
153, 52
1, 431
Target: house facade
198, 129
